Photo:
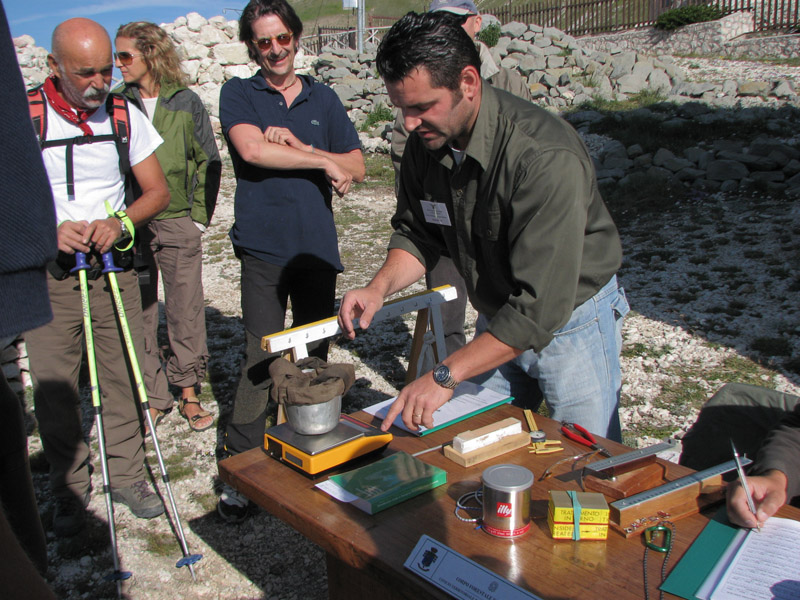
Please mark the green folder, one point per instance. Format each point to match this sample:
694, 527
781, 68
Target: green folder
701, 557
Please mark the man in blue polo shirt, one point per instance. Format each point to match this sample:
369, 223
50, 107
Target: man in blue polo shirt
292, 145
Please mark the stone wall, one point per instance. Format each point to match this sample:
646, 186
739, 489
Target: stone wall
769, 164
560, 70
774, 46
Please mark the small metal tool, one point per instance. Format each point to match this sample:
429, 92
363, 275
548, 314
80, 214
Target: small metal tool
578, 434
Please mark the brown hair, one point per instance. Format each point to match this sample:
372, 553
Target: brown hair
157, 50
256, 9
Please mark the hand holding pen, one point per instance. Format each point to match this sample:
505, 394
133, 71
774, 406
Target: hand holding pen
752, 500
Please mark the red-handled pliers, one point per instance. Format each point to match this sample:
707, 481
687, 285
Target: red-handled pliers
578, 434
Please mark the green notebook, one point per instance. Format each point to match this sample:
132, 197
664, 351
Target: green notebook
389, 481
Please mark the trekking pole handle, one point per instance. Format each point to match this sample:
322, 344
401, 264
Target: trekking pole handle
80, 263
108, 263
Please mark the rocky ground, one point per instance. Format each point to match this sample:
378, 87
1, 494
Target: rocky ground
713, 285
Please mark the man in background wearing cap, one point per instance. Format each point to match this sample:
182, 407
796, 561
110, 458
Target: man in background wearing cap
445, 272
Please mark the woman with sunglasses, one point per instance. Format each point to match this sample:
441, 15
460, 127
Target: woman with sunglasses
171, 243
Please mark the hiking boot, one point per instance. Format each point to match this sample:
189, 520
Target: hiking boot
140, 499
233, 507
69, 515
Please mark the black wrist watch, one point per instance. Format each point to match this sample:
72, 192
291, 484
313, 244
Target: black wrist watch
442, 377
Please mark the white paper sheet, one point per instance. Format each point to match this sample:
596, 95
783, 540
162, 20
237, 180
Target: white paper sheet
469, 398
767, 565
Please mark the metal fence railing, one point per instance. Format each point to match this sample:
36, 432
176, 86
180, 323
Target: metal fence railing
584, 17
340, 37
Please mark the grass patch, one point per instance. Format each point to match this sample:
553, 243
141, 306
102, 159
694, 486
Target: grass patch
682, 398
379, 172
160, 544
642, 99
739, 369
380, 114
645, 351
180, 466
346, 216
653, 431
207, 501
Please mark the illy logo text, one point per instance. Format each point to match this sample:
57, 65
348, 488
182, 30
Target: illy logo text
503, 509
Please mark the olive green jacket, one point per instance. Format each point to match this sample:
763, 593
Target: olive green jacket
530, 233
189, 156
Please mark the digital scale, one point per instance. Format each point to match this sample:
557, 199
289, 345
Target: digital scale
313, 454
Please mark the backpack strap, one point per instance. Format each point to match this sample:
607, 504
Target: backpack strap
118, 112
38, 110
117, 108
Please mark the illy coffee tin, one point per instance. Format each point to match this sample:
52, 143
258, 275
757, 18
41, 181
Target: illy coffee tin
506, 500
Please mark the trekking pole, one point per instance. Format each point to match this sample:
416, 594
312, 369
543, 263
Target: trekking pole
110, 269
80, 267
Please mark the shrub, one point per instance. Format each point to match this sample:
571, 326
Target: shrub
685, 15
490, 34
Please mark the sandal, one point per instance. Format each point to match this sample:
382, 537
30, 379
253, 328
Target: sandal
157, 418
202, 414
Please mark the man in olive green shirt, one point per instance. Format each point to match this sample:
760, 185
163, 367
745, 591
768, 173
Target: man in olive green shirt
445, 272
509, 192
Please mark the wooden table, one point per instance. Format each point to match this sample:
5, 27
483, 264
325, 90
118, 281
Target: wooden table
365, 554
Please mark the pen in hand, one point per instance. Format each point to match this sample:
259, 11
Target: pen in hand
743, 479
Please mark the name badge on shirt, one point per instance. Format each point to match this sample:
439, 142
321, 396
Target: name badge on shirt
435, 212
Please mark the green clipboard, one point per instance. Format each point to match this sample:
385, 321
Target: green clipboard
701, 557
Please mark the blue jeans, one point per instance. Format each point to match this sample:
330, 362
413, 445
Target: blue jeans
578, 372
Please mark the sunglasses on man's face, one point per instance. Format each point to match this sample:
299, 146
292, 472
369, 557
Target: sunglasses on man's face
265, 44
125, 58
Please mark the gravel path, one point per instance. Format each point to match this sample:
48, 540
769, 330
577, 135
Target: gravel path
710, 284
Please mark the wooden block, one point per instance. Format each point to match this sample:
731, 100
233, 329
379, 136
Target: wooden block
627, 484
472, 440
507, 444
672, 505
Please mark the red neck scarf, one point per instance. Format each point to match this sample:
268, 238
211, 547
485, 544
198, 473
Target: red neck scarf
74, 115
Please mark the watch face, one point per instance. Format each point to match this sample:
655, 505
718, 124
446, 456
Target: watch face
441, 374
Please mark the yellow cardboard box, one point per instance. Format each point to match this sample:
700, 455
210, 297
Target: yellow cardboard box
593, 515
587, 531
594, 508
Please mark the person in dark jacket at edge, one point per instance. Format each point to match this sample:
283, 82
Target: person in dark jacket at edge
27, 244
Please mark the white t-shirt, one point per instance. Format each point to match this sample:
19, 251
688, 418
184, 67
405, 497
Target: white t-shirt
96, 166
150, 106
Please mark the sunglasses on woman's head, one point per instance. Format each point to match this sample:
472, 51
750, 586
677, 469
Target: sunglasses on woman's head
265, 44
125, 58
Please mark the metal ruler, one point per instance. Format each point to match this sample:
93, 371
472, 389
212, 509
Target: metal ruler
677, 484
623, 459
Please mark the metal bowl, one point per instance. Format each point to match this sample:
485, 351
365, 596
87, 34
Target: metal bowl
314, 419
